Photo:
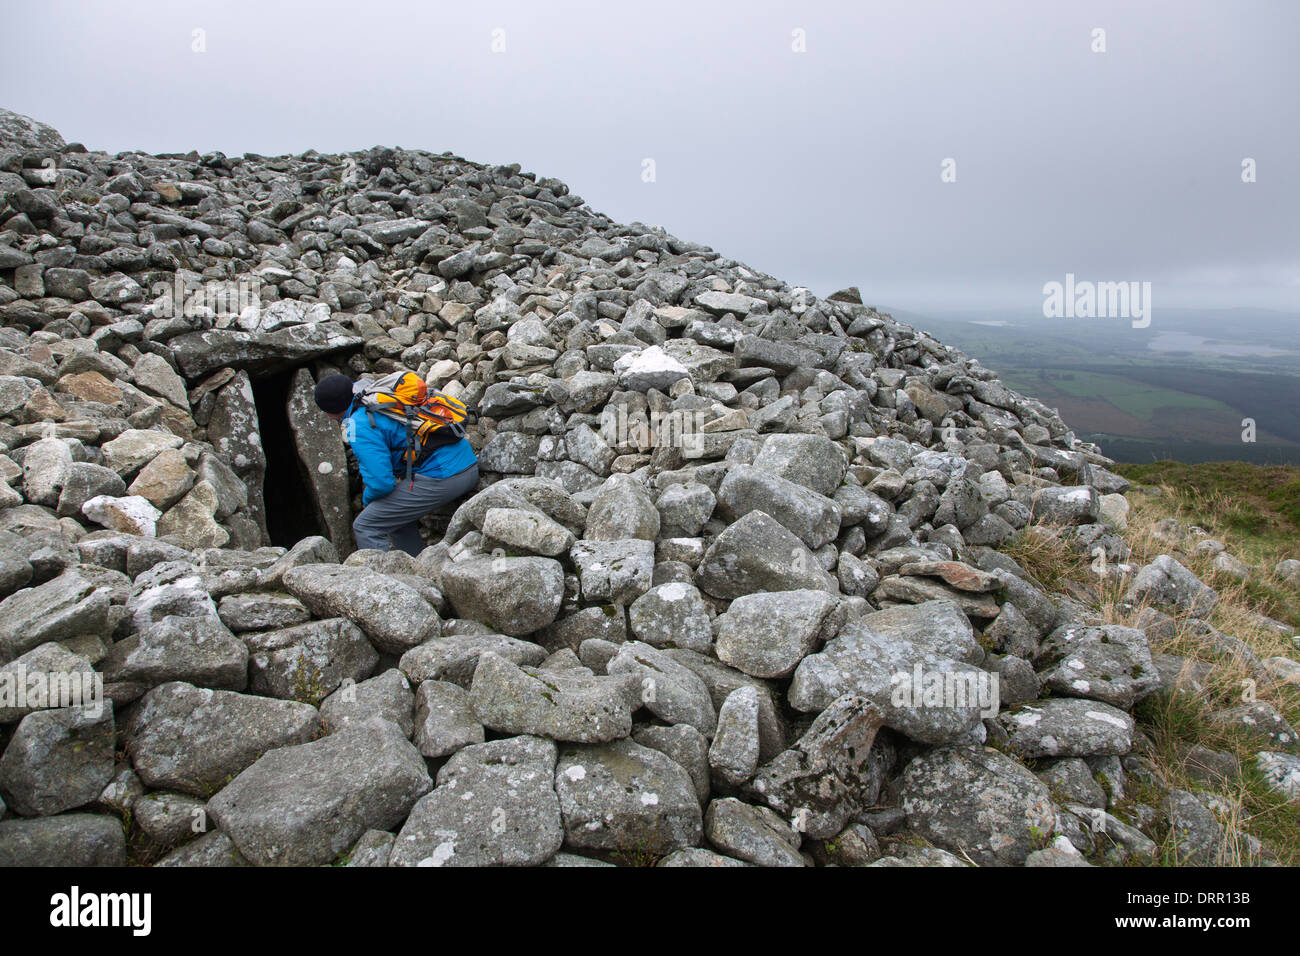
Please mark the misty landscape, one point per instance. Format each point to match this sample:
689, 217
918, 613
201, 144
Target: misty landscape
1181, 389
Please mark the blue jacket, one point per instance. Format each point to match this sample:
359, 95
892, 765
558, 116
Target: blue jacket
379, 448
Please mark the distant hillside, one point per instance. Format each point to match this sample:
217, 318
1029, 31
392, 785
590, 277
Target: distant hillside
1180, 389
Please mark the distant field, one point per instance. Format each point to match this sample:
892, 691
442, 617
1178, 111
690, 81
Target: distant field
1140, 405
1129, 396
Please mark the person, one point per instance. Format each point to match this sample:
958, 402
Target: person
392, 505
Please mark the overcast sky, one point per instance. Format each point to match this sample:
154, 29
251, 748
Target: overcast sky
821, 167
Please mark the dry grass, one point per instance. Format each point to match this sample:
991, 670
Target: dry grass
1174, 722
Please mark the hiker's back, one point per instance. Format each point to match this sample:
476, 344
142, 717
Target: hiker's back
398, 429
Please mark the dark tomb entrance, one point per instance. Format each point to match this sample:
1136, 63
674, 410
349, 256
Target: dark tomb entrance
291, 513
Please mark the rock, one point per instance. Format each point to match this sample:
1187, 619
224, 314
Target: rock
910, 663
768, 634
562, 705
19, 132
320, 448
686, 747
261, 610
69, 840
310, 661
200, 353
212, 849
68, 606
754, 834
387, 696
617, 571
757, 554
454, 658
699, 857
57, 760
671, 615
167, 819
530, 531
304, 805
193, 739
1198, 838
669, 690
1012, 813
515, 596
165, 480
192, 520
622, 510
154, 375
46, 465
1166, 582
1110, 663
393, 616
49, 676
372, 849
1289, 571
647, 369
1066, 505
130, 515
1068, 728
813, 461
134, 448
827, 776
445, 720
814, 518
311, 550
1281, 771
626, 798
1259, 723
511, 816
194, 650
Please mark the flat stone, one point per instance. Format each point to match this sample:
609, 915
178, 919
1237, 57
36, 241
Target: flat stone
1063, 727
563, 705
193, 739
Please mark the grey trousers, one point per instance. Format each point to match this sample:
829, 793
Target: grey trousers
394, 517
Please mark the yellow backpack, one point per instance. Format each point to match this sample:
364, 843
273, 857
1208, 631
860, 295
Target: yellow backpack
433, 419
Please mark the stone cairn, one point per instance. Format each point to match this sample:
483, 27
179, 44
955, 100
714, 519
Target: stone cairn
729, 593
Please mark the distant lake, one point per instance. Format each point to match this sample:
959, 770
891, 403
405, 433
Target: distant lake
1186, 342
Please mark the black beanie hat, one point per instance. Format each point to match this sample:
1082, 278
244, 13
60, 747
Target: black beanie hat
334, 394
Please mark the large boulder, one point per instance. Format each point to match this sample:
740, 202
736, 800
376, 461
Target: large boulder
814, 518
757, 553
554, 703
304, 805
68, 606
515, 596
194, 739
57, 760
495, 805
767, 634
626, 798
979, 803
